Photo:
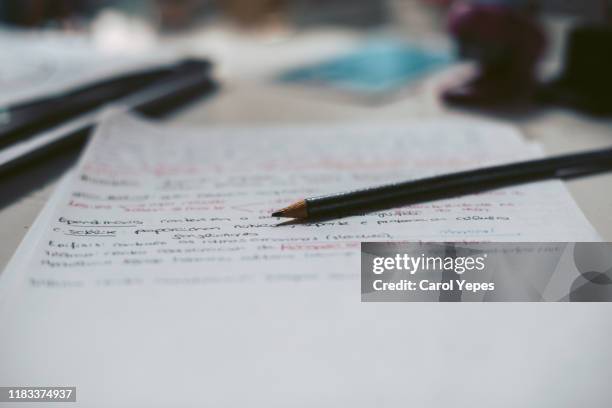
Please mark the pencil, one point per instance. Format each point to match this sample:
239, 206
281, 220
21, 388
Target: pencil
448, 185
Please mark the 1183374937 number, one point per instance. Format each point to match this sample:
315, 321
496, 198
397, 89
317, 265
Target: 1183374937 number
37, 394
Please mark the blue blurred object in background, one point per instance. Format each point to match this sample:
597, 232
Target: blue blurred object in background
381, 65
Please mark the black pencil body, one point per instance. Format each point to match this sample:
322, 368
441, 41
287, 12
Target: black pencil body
460, 183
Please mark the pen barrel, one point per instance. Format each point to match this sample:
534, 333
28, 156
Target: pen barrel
465, 182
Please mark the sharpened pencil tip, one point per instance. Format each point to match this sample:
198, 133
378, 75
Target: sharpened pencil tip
295, 210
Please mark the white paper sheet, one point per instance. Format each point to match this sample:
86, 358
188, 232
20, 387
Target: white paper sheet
155, 276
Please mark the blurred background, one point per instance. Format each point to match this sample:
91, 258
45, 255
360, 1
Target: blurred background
522, 50
182, 14
507, 39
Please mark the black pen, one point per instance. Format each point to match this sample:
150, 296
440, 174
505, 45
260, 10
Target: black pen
156, 99
29, 118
